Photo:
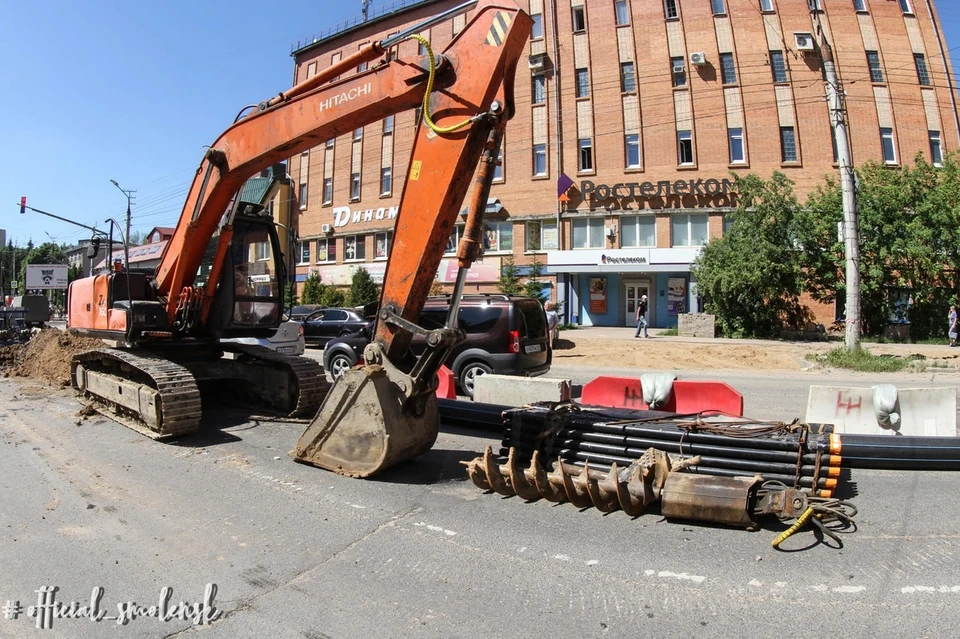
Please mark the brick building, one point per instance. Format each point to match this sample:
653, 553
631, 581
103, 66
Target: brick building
647, 106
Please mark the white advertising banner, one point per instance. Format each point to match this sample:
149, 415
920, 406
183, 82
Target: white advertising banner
46, 276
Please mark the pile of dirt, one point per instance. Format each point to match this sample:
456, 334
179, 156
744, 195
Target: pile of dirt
46, 357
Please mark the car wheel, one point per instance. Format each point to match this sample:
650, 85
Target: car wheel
339, 364
469, 374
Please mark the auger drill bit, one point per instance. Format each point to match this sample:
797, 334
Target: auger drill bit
630, 490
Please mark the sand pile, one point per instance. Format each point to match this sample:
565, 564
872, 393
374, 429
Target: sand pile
46, 357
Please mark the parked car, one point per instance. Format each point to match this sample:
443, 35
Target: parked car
298, 313
506, 335
288, 339
321, 326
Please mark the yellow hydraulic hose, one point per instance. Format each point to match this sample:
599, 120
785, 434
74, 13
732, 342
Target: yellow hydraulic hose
797, 525
426, 96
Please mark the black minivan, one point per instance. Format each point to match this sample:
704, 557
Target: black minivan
505, 335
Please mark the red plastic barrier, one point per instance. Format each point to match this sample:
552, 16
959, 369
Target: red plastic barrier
447, 388
688, 396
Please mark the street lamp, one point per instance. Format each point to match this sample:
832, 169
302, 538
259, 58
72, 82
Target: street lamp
126, 235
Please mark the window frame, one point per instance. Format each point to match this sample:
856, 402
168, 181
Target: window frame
628, 78
888, 143
935, 137
860, 6
671, 7
540, 151
528, 232
627, 145
728, 72
769, 3
685, 135
736, 134
777, 58
354, 186
327, 191
722, 5
304, 244
498, 226
905, 7
678, 71
923, 71
690, 240
874, 66
302, 195
359, 246
581, 82
387, 237
357, 134
784, 159
386, 180
580, 11
617, 4
498, 172
588, 223
585, 155
643, 224
330, 250
538, 80
536, 30
388, 124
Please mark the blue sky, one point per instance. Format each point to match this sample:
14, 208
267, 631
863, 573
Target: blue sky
132, 91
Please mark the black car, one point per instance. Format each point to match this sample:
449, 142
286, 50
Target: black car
506, 335
321, 326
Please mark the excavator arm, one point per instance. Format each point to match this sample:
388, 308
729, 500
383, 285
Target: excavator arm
472, 72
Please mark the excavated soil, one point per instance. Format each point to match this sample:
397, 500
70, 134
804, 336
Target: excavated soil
46, 357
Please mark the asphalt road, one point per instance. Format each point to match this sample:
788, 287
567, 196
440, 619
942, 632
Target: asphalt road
420, 552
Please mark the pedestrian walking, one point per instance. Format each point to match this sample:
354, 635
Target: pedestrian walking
952, 331
553, 322
642, 316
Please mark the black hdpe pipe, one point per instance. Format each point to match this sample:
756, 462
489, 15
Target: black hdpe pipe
744, 452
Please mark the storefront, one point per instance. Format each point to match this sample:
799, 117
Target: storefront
604, 286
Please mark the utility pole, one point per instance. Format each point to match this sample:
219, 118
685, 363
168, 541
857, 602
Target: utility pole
126, 235
851, 227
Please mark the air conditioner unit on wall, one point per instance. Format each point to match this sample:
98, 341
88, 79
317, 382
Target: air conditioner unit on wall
537, 61
805, 42
326, 228
698, 59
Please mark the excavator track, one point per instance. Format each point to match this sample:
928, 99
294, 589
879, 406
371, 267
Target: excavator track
150, 394
308, 377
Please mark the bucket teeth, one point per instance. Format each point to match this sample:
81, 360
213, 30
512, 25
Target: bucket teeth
630, 489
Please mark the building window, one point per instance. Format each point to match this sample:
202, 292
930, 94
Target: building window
417, 115
905, 6
638, 231
876, 71
586, 154
779, 66
631, 146
331, 142
936, 148
539, 89
541, 236
718, 8
728, 72
727, 223
670, 9
814, 5
454, 241
923, 74
326, 250
684, 147
621, 13
311, 70
303, 195
583, 83
362, 67
689, 230
304, 252
388, 125
886, 143
579, 19
536, 31
788, 144
328, 190
588, 233
539, 159
498, 167
498, 236
386, 181
358, 134
859, 5
735, 136
354, 186
766, 5
679, 72
628, 79
262, 251
354, 247
381, 245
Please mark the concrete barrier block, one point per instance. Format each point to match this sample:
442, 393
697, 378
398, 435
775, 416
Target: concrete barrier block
927, 412
509, 390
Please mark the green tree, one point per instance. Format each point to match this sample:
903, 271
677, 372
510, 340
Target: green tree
751, 277
332, 296
313, 289
363, 290
290, 298
509, 282
533, 287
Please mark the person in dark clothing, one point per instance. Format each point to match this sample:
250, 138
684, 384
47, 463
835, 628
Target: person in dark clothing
642, 316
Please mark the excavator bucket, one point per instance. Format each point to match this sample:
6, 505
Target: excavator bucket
366, 424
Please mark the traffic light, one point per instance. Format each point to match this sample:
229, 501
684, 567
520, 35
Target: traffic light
94, 247
23, 205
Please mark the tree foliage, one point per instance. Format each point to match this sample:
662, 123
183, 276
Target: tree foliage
751, 277
509, 282
533, 287
363, 290
313, 289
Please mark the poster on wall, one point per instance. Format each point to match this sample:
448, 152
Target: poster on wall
598, 295
676, 296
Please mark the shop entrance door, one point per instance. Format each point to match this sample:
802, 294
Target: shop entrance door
631, 295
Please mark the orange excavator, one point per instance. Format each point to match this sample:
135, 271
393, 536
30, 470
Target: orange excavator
220, 275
